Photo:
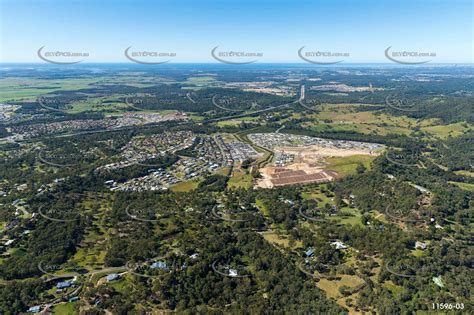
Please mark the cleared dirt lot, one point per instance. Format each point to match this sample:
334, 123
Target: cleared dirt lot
308, 167
296, 173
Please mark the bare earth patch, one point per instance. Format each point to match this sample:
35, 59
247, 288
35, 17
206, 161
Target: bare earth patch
308, 166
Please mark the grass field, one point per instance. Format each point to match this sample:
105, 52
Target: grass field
417, 253
92, 252
65, 308
465, 186
331, 287
465, 173
347, 220
185, 186
121, 285
224, 171
344, 117
201, 79
279, 240
444, 131
361, 128
262, 207
236, 121
348, 165
240, 180
321, 198
30, 88
395, 289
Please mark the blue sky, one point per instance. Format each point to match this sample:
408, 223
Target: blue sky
362, 28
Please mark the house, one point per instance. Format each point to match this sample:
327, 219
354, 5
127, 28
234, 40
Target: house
17, 202
420, 245
159, 265
339, 245
233, 273
438, 281
34, 309
309, 252
194, 256
64, 284
74, 298
112, 277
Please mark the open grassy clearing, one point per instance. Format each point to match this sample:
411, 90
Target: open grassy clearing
240, 180
30, 88
465, 186
236, 121
92, 250
280, 240
356, 127
348, 165
343, 117
65, 308
201, 79
346, 220
262, 207
320, 197
185, 186
396, 289
444, 131
464, 173
97, 105
331, 287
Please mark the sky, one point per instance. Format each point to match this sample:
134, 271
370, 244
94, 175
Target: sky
276, 29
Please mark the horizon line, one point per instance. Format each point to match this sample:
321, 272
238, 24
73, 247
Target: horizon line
223, 64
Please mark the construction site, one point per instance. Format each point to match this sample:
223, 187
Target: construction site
303, 159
